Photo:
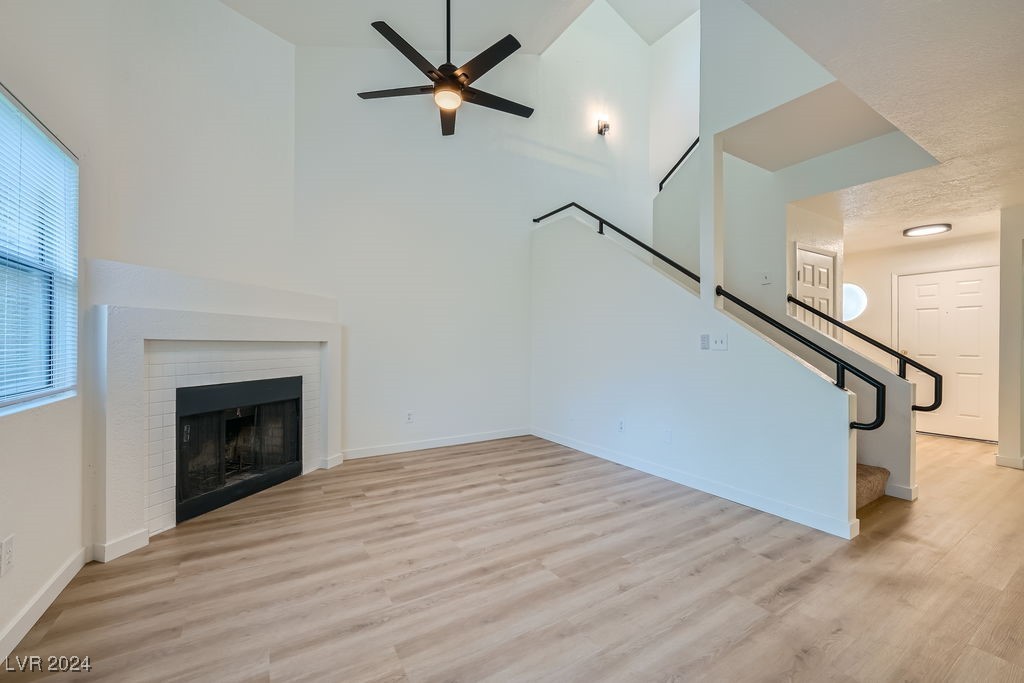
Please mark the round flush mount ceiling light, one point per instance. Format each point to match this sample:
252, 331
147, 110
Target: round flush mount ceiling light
926, 230
855, 301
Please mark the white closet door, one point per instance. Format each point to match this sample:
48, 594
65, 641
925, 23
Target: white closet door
950, 322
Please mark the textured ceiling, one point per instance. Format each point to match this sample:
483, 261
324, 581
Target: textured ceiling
949, 75
475, 25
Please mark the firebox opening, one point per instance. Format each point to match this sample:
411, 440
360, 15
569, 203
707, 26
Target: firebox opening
234, 440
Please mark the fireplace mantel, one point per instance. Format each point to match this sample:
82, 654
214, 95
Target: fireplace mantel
121, 434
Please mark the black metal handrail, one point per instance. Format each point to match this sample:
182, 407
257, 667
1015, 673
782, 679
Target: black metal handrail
661, 185
842, 366
904, 360
603, 223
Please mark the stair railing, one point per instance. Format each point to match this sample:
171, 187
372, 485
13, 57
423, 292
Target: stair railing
603, 223
842, 366
661, 185
904, 360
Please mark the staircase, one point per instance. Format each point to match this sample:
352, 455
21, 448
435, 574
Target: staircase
882, 448
872, 480
871, 483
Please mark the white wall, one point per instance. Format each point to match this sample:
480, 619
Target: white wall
615, 340
182, 115
425, 240
1011, 337
675, 106
598, 66
754, 235
675, 114
41, 504
677, 216
395, 221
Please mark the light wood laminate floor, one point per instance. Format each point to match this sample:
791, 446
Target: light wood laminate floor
521, 560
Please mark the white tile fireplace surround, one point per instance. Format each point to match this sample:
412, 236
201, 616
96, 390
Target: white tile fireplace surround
171, 365
148, 354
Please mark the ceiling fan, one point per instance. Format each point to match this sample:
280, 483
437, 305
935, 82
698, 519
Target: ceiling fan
451, 84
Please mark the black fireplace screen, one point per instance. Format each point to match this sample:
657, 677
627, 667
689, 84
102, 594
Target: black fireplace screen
234, 440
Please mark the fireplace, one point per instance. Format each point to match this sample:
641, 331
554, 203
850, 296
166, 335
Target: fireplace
234, 440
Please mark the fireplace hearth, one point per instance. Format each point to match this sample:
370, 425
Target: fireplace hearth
234, 440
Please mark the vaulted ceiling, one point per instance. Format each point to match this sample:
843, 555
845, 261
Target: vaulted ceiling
948, 74
476, 24
652, 19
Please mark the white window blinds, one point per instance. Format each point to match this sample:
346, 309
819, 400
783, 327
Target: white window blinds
38, 260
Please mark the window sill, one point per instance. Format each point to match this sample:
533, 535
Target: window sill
33, 403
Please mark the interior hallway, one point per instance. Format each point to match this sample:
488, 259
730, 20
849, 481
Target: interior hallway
523, 560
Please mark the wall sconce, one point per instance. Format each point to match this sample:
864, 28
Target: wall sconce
603, 127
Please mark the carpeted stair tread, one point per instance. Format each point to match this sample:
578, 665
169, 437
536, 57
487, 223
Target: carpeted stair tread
871, 483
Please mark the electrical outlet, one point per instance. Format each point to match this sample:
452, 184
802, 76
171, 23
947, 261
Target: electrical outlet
622, 425
720, 342
765, 279
410, 417
7, 555
705, 342
666, 436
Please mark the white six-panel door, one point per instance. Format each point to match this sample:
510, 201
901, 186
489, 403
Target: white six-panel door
815, 286
949, 321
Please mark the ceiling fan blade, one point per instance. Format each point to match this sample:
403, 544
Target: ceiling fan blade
486, 99
447, 121
418, 60
397, 92
487, 60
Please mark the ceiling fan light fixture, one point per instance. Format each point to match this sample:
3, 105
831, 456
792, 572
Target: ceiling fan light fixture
926, 230
447, 97
451, 85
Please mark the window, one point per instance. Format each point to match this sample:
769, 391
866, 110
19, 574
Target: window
855, 301
38, 259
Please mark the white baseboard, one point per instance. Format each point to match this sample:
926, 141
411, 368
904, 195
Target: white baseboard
904, 492
853, 532
391, 449
844, 528
331, 461
25, 619
105, 552
1016, 462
